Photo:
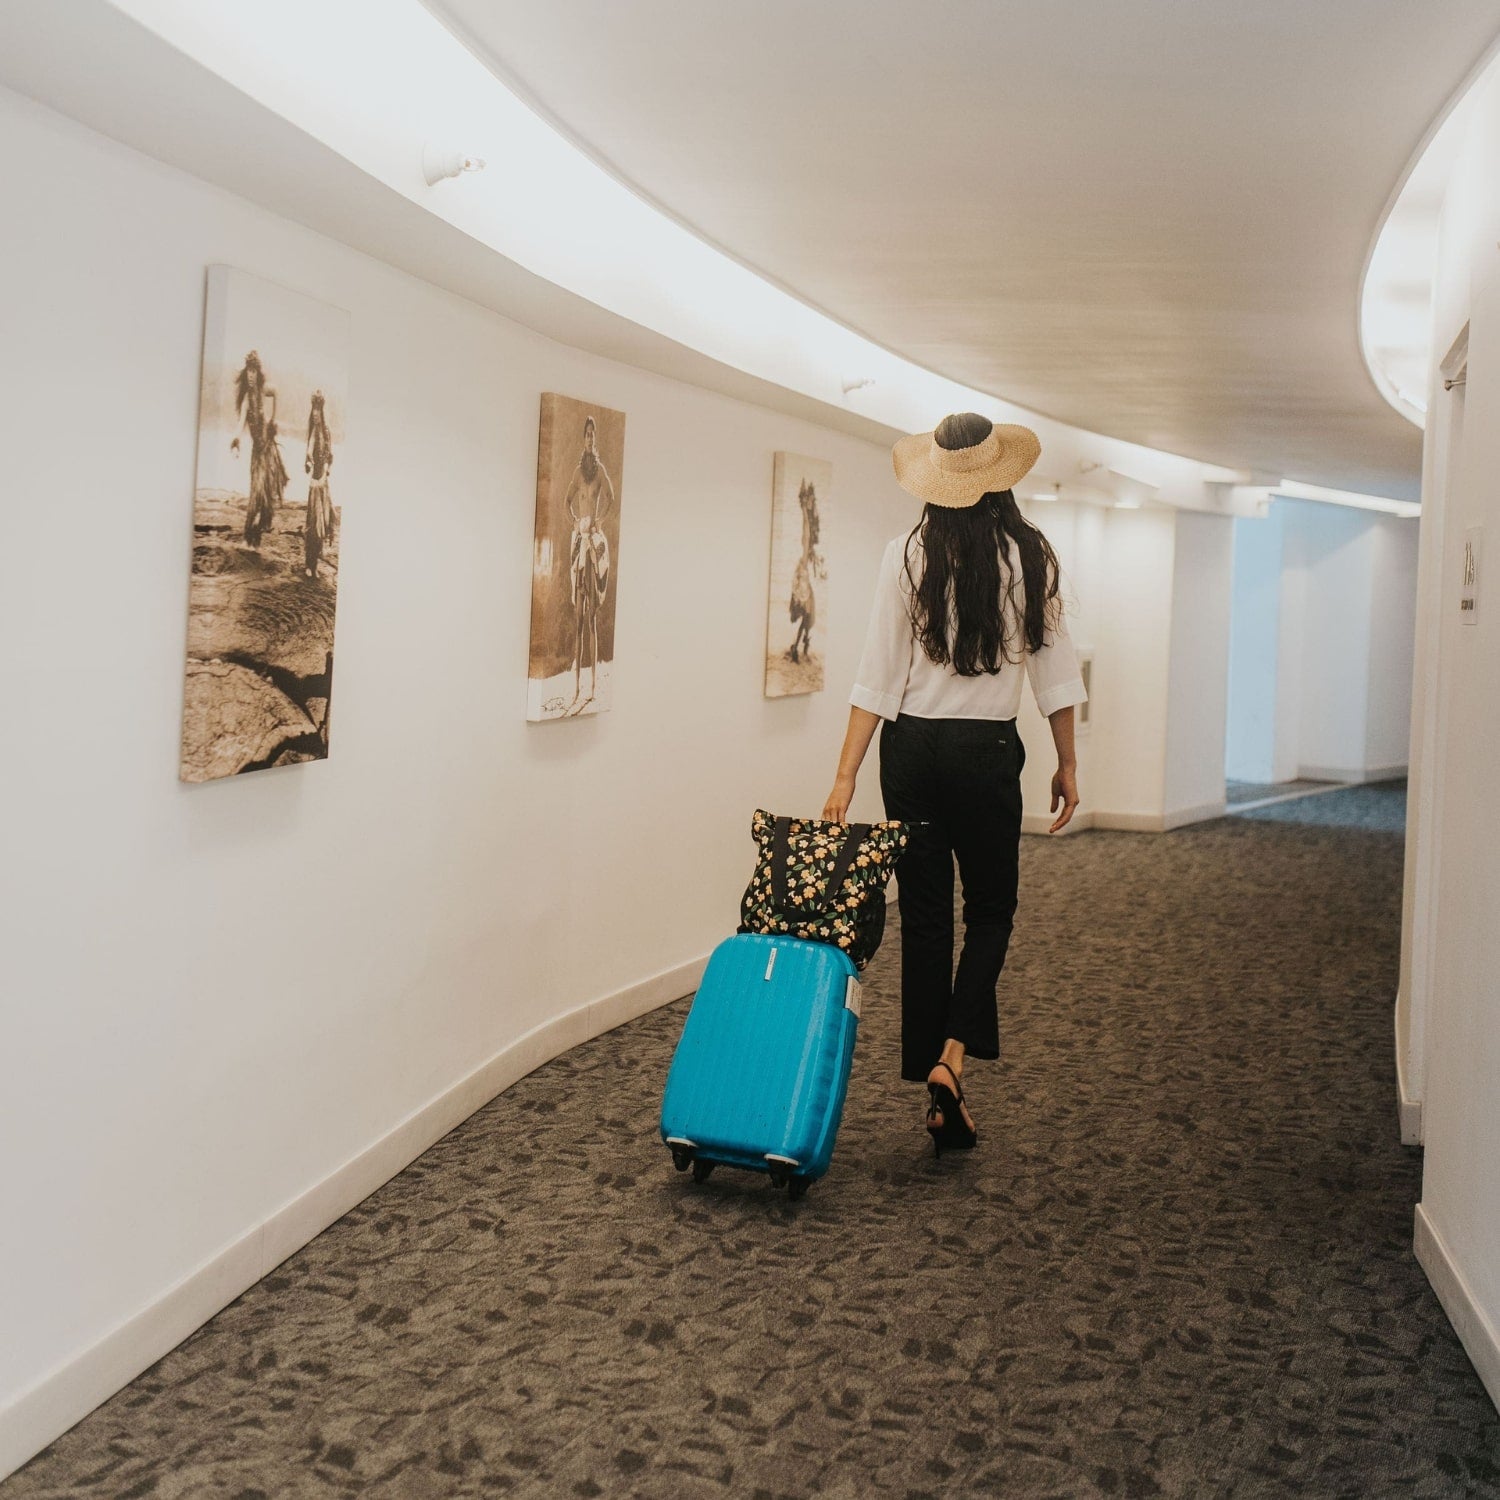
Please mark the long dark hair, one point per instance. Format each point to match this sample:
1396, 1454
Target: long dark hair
249, 385
974, 558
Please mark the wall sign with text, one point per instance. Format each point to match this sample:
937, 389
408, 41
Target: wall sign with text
1468, 599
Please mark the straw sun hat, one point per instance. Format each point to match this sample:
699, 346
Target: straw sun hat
960, 477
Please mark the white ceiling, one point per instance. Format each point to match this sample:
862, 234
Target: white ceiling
1145, 217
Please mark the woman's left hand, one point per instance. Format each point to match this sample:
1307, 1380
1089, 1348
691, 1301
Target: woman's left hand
836, 809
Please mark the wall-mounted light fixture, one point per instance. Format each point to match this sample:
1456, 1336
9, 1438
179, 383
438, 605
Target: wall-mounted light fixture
1115, 488
1130, 491
1071, 492
438, 162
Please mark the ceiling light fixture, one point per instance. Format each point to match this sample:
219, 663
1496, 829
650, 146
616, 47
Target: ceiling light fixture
1293, 489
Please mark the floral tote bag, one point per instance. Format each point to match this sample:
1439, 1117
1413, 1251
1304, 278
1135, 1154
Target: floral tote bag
824, 882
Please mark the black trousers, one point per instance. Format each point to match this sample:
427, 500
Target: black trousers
960, 779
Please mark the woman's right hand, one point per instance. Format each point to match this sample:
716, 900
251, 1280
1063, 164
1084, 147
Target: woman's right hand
836, 809
862, 726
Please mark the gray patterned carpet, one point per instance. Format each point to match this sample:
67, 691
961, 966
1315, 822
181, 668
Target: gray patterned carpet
1379, 807
1257, 791
1178, 1264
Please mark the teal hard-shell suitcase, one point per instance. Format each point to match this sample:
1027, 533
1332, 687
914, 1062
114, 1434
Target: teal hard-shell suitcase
760, 1073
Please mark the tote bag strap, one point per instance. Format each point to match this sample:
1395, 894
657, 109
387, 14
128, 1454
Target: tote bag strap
781, 859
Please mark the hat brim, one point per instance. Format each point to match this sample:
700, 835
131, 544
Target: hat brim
911, 458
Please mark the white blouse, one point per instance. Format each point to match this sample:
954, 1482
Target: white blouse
897, 677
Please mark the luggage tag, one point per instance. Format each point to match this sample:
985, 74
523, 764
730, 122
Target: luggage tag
851, 996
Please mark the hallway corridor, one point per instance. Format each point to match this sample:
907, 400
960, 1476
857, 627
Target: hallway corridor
1179, 1264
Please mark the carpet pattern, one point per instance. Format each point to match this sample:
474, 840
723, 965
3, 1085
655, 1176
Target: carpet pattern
1179, 1263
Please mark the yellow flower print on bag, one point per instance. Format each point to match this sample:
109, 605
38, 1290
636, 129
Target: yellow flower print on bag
823, 882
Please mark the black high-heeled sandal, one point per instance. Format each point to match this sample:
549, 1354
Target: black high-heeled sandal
954, 1133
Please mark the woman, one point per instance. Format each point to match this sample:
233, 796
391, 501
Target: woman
803, 608
255, 402
590, 498
317, 529
965, 607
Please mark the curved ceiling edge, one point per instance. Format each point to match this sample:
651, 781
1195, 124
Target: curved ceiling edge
1393, 304
542, 200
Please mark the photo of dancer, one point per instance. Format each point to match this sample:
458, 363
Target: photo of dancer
580, 454
796, 624
590, 498
255, 401
261, 602
317, 529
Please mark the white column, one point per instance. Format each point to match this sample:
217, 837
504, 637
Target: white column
1255, 635
1198, 668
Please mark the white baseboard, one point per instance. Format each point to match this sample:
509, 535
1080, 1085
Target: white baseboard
1351, 776
1475, 1331
1126, 822
1040, 822
1160, 822
1409, 1117
69, 1392
1180, 817
1408, 1109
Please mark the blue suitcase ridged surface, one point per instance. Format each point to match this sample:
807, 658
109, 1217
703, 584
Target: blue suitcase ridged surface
760, 1074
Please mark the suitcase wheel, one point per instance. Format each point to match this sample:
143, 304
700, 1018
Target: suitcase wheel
703, 1170
797, 1188
780, 1174
682, 1157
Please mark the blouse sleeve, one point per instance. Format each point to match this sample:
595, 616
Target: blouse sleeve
1056, 681
880, 683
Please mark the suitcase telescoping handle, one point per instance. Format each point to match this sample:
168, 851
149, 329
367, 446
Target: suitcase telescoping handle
781, 858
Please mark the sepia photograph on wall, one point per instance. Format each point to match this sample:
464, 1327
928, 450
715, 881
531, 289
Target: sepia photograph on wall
265, 566
796, 627
580, 457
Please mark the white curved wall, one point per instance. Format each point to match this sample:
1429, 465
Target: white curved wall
1448, 1015
218, 998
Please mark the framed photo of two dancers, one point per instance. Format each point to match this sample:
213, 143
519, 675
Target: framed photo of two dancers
266, 519
579, 473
